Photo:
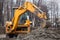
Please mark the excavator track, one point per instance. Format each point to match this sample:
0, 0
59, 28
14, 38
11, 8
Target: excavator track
26, 36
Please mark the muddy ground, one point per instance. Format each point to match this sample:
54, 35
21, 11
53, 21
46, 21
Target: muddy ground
46, 34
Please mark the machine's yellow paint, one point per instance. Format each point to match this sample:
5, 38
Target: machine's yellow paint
18, 12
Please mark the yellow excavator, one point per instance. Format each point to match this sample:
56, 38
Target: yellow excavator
13, 27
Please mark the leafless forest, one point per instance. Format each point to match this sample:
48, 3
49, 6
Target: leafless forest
52, 9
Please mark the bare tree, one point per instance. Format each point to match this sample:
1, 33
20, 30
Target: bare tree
1, 14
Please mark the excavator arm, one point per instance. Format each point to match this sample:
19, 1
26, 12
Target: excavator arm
21, 10
35, 10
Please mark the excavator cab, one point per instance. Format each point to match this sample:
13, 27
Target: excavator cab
23, 20
21, 26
